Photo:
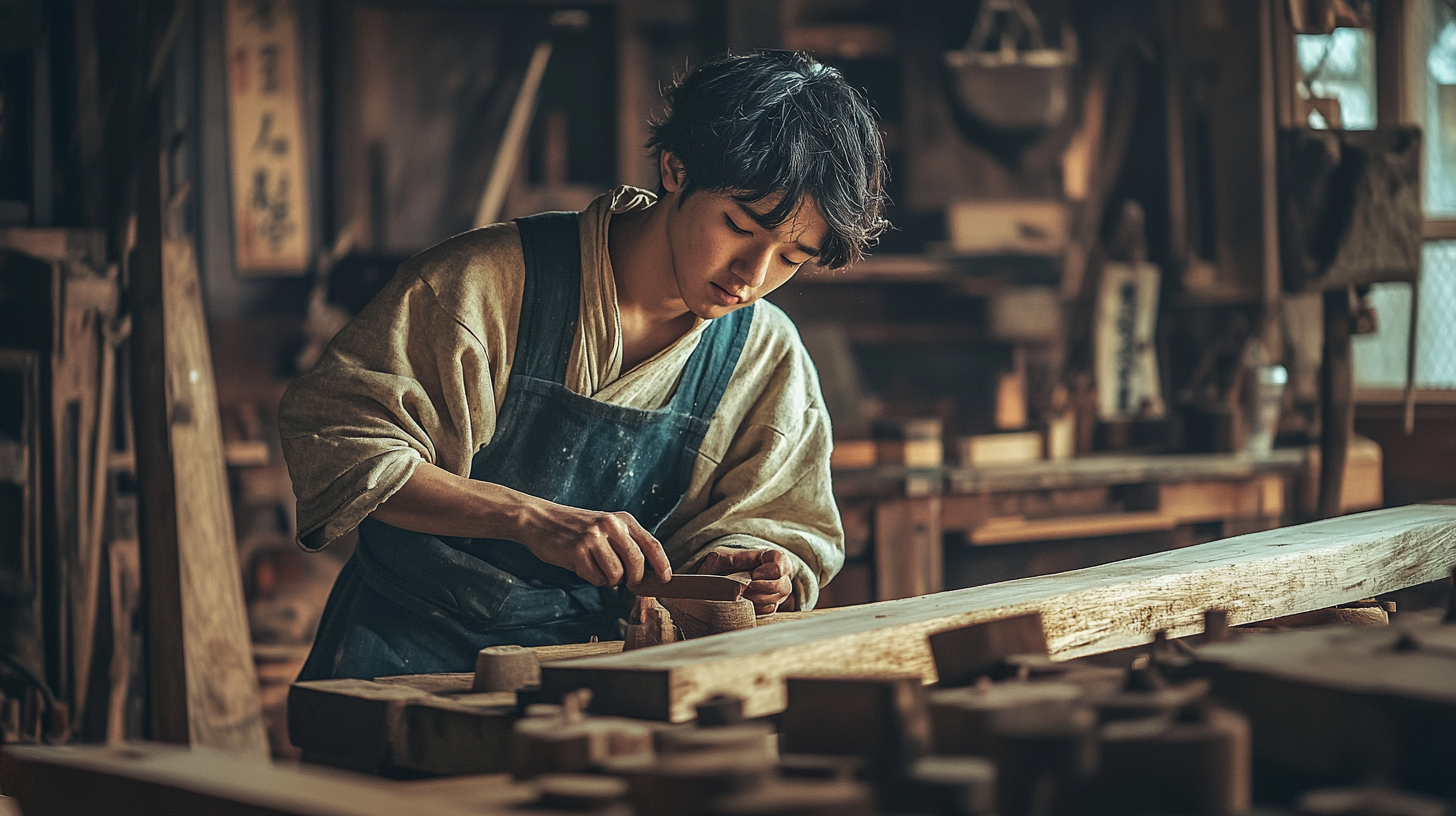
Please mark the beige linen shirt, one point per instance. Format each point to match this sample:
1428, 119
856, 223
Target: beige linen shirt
421, 373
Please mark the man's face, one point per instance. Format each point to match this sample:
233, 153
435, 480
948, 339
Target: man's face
724, 260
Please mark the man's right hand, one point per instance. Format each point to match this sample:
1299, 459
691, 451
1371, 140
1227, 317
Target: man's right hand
602, 548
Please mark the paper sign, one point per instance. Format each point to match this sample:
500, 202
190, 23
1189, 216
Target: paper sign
265, 122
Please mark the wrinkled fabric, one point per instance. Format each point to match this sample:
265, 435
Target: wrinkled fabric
420, 375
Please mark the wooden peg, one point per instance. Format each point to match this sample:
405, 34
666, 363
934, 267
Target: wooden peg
506, 668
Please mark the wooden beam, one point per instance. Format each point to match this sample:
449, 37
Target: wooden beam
146, 778
203, 686
1254, 577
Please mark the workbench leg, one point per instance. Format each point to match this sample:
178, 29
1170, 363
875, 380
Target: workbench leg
909, 558
1337, 412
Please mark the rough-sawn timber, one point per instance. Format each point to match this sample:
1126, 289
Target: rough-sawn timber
1254, 577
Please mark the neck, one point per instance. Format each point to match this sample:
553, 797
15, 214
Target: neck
642, 265
653, 314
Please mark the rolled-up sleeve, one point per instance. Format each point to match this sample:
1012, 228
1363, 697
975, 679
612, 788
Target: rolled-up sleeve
772, 488
403, 383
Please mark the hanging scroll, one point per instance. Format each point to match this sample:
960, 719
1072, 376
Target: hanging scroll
265, 122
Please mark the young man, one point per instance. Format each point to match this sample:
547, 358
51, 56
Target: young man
533, 413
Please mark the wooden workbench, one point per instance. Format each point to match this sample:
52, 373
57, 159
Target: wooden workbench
905, 525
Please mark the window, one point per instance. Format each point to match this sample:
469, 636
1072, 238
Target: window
1339, 66
1380, 358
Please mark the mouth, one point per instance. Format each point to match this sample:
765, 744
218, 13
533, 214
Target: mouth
724, 296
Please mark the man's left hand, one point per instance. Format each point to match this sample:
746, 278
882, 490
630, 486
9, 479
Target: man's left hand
770, 570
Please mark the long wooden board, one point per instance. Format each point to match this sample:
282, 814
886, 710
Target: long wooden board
1254, 577
203, 685
150, 778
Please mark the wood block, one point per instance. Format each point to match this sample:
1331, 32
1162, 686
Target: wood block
1025, 314
912, 453
1011, 401
914, 428
751, 738
353, 723
909, 553
966, 654
1008, 227
1212, 501
1362, 488
1151, 766
506, 668
697, 618
801, 797
1084, 612
999, 449
954, 784
965, 720
687, 783
854, 454
439, 735
689, 585
648, 625
1015, 529
889, 722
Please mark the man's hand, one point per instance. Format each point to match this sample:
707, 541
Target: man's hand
603, 548
770, 569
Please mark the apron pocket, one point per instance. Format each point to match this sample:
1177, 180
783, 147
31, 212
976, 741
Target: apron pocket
430, 577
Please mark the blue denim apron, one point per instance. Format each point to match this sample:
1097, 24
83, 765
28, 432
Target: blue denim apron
412, 603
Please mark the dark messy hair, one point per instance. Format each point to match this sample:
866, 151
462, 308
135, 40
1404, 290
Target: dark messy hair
765, 122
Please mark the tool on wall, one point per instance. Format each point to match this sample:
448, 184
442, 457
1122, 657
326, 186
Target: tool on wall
1008, 96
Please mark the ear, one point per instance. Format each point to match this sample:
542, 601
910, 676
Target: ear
674, 175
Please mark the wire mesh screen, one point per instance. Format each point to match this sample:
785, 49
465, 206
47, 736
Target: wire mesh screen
1380, 358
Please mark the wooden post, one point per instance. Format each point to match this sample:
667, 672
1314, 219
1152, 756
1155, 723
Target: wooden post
203, 686
1337, 413
908, 554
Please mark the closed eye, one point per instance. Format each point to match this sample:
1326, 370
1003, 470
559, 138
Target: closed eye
790, 261
735, 227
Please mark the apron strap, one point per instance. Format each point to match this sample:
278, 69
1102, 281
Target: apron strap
551, 295
708, 370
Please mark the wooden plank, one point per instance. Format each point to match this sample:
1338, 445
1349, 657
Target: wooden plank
203, 685
1254, 577
1098, 470
1016, 529
1214, 501
149, 778
908, 555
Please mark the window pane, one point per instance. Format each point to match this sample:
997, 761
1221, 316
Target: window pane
1436, 334
1340, 65
1379, 358
1439, 119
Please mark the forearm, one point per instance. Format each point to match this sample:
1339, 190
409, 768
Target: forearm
438, 502
603, 548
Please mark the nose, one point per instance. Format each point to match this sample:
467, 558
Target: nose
753, 269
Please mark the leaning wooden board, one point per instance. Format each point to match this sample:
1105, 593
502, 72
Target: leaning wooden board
1254, 577
150, 778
